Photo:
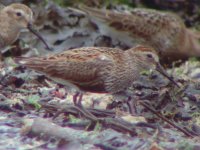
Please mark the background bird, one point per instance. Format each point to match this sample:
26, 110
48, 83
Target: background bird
96, 69
14, 18
164, 31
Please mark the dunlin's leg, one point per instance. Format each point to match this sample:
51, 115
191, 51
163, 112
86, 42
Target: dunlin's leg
80, 99
77, 98
131, 106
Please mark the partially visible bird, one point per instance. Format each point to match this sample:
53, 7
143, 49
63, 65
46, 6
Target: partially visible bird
96, 69
164, 31
14, 18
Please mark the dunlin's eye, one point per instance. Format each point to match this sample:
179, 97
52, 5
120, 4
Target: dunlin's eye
149, 56
18, 14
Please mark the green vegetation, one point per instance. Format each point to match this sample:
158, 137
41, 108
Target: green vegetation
126, 2
33, 100
179, 71
66, 3
185, 145
74, 119
105, 2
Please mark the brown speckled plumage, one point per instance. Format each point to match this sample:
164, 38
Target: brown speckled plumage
95, 69
163, 31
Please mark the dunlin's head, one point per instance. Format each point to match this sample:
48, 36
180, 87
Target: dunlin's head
144, 57
17, 16
20, 14
147, 59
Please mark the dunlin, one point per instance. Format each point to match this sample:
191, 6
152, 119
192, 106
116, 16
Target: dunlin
164, 31
96, 69
14, 18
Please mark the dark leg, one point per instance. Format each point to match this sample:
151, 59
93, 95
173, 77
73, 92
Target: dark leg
80, 99
131, 105
77, 98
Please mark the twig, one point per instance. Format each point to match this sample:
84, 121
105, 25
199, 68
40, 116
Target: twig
165, 119
39, 37
107, 121
119, 125
46, 128
83, 111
